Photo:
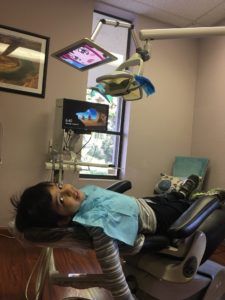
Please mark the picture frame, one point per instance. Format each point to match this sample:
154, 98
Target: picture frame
23, 62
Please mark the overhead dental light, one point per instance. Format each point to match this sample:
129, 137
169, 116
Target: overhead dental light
86, 54
124, 82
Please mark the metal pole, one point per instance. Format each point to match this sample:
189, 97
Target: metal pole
174, 33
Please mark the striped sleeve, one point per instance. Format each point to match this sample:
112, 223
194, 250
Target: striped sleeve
108, 257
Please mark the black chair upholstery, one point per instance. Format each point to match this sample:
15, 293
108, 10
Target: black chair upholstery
191, 219
120, 186
214, 229
207, 215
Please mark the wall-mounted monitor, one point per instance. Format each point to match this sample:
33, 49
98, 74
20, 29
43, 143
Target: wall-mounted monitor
84, 116
84, 54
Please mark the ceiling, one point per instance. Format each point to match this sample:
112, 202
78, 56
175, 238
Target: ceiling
180, 13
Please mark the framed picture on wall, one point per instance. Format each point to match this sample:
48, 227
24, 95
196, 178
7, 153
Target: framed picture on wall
23, 62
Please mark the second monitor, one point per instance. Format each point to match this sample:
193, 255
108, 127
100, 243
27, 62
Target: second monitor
84, 116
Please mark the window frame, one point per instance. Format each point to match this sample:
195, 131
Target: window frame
119, 133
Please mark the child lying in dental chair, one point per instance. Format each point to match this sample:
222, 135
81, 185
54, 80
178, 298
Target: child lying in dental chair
110, 218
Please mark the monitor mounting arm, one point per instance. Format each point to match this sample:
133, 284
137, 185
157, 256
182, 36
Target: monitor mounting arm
142, 51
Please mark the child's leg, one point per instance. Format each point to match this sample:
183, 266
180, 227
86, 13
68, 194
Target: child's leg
188, 187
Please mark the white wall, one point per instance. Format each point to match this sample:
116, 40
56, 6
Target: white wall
209, 117
28, 121
160, 126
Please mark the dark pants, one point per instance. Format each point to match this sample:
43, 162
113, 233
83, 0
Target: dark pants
168, 208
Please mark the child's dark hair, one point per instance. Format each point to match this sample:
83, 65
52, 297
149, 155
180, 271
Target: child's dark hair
34, 208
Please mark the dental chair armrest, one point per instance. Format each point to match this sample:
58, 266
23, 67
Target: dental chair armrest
120, 186
192, 218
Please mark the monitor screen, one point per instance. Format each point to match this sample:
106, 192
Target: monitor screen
83, 55
84, 116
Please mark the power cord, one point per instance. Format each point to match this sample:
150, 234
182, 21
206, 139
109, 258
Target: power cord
84, 145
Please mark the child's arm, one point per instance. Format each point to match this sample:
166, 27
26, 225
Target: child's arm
108, 257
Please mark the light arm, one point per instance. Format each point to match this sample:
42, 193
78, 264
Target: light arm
174, 33
117, 24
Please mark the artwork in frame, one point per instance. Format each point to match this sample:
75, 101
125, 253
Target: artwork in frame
23, 62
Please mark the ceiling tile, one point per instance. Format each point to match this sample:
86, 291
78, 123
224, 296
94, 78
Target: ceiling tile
191, 9
214, 16
152, 12
181, 13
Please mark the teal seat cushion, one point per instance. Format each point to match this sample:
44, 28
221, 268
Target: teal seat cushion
184, 166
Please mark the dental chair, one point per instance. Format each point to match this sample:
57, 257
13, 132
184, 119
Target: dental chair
174, 266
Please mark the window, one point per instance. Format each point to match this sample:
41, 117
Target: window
106, 148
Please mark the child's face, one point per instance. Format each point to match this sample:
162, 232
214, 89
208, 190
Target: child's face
66, 200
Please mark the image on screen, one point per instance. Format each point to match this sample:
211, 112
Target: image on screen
84, 116
84, 55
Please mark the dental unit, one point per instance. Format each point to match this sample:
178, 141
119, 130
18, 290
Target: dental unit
123, 82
